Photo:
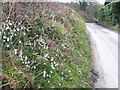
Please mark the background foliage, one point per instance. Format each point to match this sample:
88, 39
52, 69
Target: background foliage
110, 13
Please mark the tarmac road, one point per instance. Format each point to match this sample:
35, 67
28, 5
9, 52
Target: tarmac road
104, 44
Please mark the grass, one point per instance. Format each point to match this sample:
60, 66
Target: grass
51, 51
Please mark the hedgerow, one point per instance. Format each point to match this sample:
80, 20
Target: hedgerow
110, 13
48, 49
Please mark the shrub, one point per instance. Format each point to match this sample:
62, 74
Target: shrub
110, 13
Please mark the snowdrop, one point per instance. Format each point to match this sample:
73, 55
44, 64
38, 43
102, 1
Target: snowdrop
7, 28
46, 55
69, 71
56, 64
52, 66
47, 47
26, 58
4, 41
44, 73
34, 67
28, 62
15, 51
24, 33
27, 66
10, 24
59, 84
8, 45
18, 29
11, 42
51, 72
52, 59
47, 75
19, 41
8, 39
4, 37
14, 30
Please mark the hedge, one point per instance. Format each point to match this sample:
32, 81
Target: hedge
110, 13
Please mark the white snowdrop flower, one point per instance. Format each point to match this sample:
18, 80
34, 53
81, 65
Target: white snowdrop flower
52, 66
28, 62
48, 81
52, 59
62, 78
44, 73
27, 66
4, 37
69, 71
59, 84
37, 35
51, 72
15, 34
37, 39
34, 67
25, 57
62, 45
11, 37
44, 63
47, 75
10, 24
15, 51
18, 29
19, 41
8, 39
22, 27
46, 55
10, 30
8, 45
79, 71
47, 47
56, 64
7, 28
24, 33
21, 59
4, 41
32, 62
14, 30
20, 54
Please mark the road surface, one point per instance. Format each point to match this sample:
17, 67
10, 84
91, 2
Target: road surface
104, 44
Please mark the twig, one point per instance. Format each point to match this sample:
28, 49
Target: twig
10, 10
